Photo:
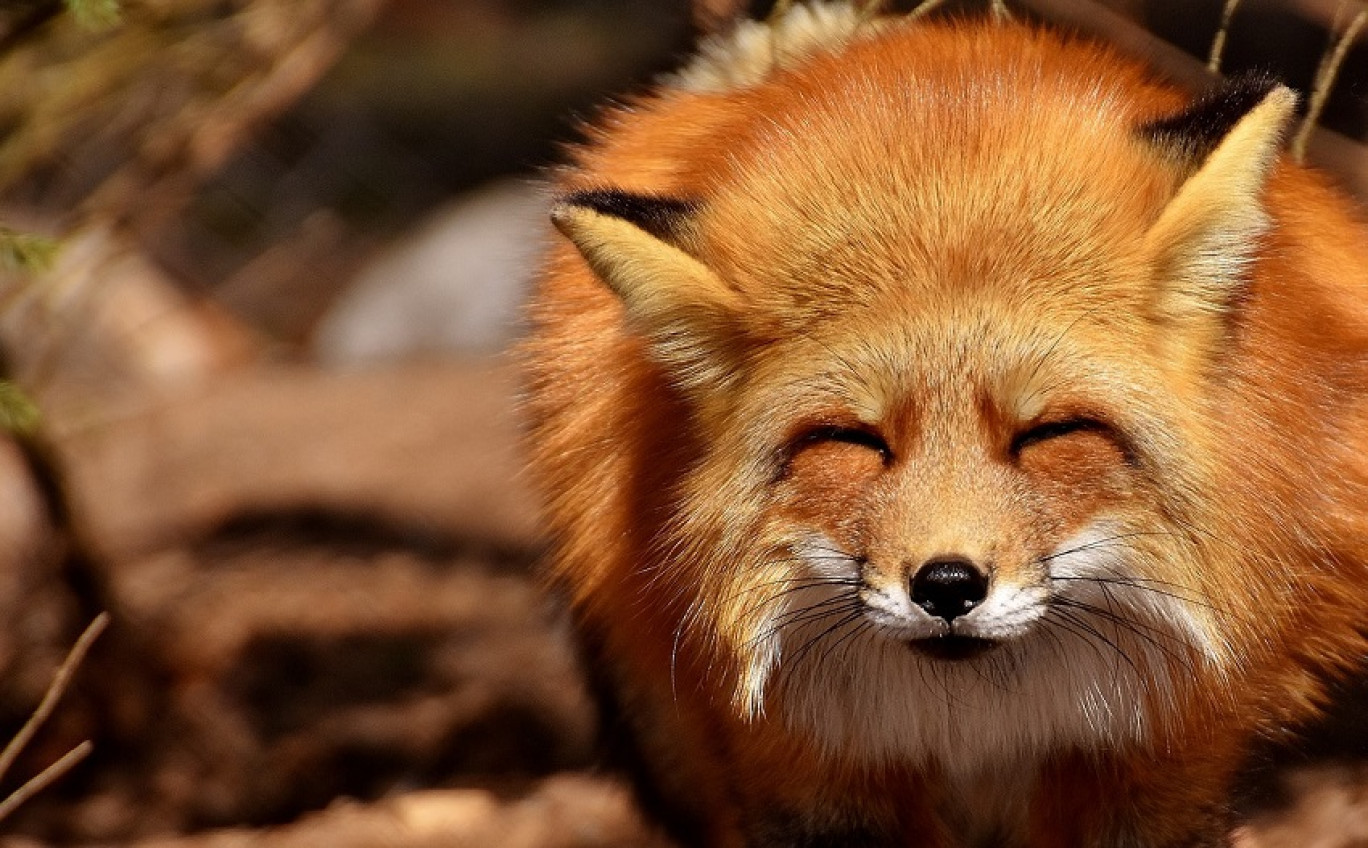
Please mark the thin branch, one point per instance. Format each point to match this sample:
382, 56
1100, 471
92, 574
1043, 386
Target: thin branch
1325, 83
45, 778
1218, 43
1322, 65
923, 8
54, 692
871, 9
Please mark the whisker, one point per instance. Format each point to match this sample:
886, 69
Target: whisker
1146, 632
834, 645
1176, 591
1045, 357
979, 673
791, 585
1105, 542
806, 615
1139, 584
777, 596
808, 645
1081, 622
1173, 646
798, 615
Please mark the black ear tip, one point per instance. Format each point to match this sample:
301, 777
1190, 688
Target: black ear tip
1248, 89
658, 215
1256, 83
1199, 128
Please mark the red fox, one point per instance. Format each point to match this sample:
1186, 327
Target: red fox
951, 436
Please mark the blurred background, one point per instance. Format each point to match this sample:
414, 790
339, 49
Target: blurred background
260, 266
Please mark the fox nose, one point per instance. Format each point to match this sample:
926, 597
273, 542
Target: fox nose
948, 587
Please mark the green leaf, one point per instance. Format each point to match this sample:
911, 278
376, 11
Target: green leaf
95, 14
18, 413
25, 251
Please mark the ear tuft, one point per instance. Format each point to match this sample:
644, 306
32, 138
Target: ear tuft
662, 217
1199, 129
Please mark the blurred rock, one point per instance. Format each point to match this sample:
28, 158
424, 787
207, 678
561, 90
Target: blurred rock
455, 285
105, 327
430, 447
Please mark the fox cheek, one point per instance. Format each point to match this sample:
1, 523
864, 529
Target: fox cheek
1080, 474
832, 488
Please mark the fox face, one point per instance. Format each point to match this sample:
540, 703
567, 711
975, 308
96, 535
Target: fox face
995, 524
919, 405
948, 396
964, 494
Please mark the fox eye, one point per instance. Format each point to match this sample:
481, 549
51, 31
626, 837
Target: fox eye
1048, 430
846, 435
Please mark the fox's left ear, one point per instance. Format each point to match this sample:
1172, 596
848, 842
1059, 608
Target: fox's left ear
1209, 232
641, 247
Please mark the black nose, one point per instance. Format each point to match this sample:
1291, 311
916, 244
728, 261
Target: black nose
948, 587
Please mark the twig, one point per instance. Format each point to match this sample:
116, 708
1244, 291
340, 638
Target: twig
45, 778
924, 7
54, 693
1218, 43
1324, 84
871, 9
1000, 10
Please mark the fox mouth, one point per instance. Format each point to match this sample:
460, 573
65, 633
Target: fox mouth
953, 647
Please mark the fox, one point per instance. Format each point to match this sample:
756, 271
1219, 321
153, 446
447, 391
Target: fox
950, 433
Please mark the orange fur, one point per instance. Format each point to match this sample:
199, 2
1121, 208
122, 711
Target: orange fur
933, 294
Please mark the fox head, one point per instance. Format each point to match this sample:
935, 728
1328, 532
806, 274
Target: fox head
954, 349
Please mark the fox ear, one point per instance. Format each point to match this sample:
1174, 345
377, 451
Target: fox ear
1209, 232
637, 245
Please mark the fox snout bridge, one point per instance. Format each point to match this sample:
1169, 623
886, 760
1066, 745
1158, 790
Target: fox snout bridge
948, 587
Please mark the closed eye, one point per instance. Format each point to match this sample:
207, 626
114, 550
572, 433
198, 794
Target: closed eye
1048, 430
846, 435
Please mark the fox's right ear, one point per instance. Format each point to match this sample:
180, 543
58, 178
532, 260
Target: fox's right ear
638, 245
